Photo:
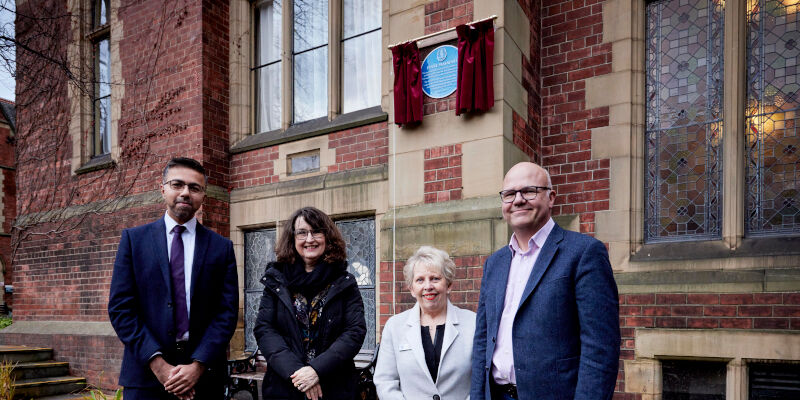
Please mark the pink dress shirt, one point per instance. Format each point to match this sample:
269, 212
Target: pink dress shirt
518, 274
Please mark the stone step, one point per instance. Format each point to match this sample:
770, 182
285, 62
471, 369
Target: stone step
24, 354
40, 387
40, 369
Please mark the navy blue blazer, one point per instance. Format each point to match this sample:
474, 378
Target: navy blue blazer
140, 301
565, 334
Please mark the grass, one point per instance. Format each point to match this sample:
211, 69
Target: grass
6, 381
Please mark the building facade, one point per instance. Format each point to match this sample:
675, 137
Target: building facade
669, 129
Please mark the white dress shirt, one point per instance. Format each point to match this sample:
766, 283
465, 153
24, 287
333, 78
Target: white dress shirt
188, 237
518, 275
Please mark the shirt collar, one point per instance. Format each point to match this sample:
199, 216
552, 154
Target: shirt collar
538, 238
190, 226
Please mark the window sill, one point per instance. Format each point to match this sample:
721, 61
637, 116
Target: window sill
96, 163
751, 247
311, 128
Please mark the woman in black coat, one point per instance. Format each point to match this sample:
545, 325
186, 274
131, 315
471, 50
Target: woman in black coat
310, 322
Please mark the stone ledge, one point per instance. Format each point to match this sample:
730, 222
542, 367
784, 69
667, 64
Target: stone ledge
312, 183
309, 129
719, 344
60, 328
759, 280
696, 250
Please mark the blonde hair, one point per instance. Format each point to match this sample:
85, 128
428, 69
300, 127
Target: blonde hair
431, 257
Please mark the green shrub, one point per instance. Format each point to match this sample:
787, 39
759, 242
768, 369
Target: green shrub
4, 322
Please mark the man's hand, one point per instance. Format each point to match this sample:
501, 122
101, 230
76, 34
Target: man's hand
314, 393
305, 378
161, 369
182, 378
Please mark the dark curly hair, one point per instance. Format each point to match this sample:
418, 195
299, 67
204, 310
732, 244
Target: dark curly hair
335, 250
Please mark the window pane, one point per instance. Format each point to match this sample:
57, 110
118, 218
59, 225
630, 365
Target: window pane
361, 76
100, 13
102, 104
361, 16
304, 163
684, 120
772, 143
310, 24
103, 73
693, 380
269, 97
268, 25
311, 85
102, 141
774, 381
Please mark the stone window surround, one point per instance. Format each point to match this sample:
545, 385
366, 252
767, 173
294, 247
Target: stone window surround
623, 91
737, 348
242, 104
79, 54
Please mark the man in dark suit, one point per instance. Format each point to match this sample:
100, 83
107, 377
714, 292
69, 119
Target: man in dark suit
174, 297
548, 314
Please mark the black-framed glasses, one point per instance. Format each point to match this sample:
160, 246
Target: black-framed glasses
301, 234
178, 185
528, 193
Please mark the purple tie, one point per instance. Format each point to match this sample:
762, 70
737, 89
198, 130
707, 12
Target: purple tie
179, 282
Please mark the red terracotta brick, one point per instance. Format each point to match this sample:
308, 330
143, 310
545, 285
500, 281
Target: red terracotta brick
666, 298
755, 311
771, 323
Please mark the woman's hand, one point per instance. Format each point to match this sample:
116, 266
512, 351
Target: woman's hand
305, 378
314, 393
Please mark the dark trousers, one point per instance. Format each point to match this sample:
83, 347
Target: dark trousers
210, 386
502, 392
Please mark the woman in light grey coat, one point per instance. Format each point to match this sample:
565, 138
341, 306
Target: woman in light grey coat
426, 351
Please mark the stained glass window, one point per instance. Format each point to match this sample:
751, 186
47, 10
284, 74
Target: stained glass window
772, 144
684, 119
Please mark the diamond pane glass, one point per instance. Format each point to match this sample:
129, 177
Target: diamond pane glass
684, 120
360, 238
772, 144
259, 249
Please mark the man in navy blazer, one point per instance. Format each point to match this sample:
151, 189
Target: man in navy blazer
174, 297
547, 325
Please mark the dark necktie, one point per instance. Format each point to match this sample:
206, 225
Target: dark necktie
181, 312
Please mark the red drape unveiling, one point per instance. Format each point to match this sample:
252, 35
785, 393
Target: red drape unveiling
407, 84
475, 90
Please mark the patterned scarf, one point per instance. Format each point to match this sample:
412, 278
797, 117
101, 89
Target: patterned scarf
308, 315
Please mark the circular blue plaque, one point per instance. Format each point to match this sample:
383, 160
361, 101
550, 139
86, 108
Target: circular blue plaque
440, 72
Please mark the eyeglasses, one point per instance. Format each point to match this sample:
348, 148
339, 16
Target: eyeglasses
528, 193
178, 185
303, 233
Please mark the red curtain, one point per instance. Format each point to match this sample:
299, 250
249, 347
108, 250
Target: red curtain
407, 84
475, 90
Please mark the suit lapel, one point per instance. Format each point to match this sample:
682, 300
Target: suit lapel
200, 245
414, 340
158, 236
450, 331
546, 255
503, 266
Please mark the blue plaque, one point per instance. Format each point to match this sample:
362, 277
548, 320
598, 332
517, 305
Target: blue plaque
440, 72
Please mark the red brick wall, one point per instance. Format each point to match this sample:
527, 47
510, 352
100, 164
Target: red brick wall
254, 168
527, 128
442, 170
364, 146
762, 311
359, 147
97, 358
8, 190
571, 36
464, 293
443, 14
